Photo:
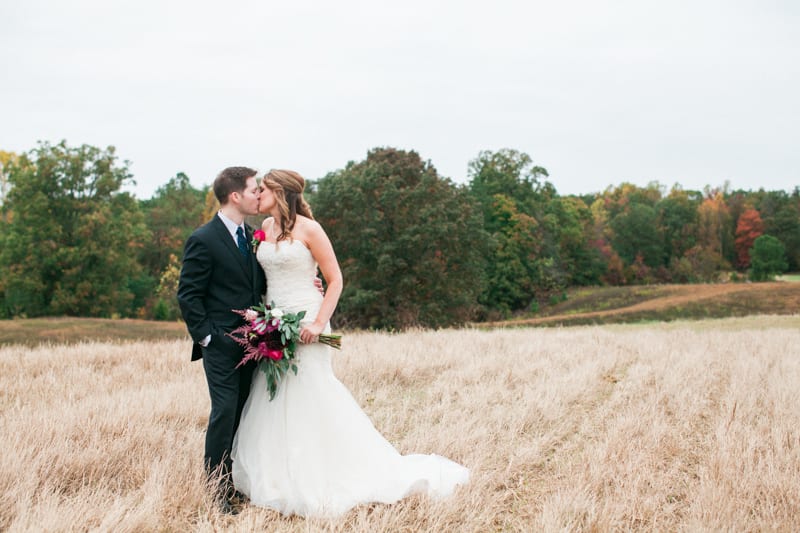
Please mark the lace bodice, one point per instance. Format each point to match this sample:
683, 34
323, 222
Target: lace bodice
290, 270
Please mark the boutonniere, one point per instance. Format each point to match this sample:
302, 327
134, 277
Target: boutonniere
258, 237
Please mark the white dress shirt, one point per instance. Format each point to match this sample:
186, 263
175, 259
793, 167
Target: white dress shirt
232, 227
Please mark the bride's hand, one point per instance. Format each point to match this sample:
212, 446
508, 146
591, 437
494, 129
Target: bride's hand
310, 333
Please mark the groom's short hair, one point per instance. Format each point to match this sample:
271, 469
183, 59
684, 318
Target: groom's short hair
232, 179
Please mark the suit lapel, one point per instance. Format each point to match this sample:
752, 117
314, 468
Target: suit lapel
244, 262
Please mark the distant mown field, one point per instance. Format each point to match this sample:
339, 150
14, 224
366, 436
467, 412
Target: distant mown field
60, 330
580, 306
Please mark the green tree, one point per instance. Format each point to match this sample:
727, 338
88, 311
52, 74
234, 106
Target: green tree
174, 211
580, 259
767, 258
635, 232
785, 226
525, 217
507, 172
781, 215
618, 199
677, 220
511, 273
71, 247
626, 228
409, 242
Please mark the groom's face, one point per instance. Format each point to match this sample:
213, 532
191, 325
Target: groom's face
248, 198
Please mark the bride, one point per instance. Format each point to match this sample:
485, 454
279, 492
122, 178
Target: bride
312, 451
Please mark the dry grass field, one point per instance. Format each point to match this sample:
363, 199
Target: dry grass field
664, 427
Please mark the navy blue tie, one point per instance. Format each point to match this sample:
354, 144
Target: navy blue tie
241, 241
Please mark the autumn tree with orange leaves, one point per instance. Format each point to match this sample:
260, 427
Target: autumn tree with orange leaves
748, 228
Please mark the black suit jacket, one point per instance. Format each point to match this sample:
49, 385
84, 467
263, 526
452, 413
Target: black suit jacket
215, 279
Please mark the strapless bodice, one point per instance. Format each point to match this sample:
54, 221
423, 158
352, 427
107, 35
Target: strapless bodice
290, 269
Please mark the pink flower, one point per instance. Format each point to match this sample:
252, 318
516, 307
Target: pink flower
260, 326
250, 315
258, 237
272, 325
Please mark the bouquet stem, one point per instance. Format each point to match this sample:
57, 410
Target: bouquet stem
334, 341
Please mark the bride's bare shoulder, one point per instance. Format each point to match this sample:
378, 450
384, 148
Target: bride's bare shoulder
307, 224
309, 231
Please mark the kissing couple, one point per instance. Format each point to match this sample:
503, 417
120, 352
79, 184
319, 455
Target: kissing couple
311, 450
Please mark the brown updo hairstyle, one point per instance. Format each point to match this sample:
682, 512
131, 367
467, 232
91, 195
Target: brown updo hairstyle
288, 186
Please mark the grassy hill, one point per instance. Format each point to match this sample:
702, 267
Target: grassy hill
615, 305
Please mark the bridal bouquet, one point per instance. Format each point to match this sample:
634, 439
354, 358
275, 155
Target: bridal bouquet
269, 337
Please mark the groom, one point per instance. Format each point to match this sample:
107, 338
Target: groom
220, 273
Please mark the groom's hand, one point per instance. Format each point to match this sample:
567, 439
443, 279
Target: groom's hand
318, 285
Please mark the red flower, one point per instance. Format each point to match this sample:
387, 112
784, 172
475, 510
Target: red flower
258, 237
266, 351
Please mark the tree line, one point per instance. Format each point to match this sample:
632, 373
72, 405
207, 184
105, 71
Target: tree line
415, 247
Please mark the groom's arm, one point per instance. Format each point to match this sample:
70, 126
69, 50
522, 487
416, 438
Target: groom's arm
193, 286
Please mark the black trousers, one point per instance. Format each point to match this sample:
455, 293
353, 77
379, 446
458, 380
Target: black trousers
228, 388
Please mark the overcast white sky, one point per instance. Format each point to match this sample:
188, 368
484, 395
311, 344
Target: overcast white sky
598, 92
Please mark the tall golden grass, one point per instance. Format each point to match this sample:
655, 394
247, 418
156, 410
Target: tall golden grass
656, 427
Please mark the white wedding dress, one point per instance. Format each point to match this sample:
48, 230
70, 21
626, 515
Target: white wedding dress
312, 451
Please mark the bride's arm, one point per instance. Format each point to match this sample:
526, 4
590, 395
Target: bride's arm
322, 251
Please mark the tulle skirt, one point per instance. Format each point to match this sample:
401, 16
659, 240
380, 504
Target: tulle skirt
312, 451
